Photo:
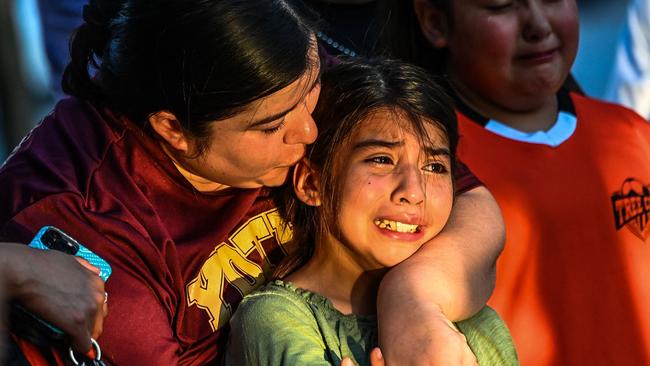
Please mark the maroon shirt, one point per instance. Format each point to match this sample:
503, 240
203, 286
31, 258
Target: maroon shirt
181, 260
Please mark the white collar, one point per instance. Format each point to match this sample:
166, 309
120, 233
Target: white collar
562, 130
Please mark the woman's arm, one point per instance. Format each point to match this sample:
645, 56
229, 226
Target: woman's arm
449, 278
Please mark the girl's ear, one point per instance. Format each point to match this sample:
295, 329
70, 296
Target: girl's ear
433, 23
169, 129
306, 183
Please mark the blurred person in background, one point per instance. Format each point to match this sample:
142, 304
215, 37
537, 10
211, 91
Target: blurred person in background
630, 80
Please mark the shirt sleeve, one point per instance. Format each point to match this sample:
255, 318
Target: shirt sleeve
464, 179
140, 301
489, 338
274, 330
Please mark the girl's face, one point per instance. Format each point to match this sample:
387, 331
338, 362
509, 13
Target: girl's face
395, 194
512, 53
258, 146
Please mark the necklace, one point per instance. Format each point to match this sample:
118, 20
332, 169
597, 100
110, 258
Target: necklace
339, 46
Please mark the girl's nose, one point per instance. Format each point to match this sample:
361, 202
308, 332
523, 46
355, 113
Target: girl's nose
410, 186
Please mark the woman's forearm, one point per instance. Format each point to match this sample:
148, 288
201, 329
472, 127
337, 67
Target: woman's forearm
455, 270
449, 278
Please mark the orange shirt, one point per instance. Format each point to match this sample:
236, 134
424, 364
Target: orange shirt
573, 283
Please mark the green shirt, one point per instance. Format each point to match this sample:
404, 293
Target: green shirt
284, 325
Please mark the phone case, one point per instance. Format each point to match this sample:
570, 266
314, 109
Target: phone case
83, 252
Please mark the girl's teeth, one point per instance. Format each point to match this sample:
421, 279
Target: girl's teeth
396, 226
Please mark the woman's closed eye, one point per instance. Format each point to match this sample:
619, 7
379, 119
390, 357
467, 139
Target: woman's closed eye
274, 129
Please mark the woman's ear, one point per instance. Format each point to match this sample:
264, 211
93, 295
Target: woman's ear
433, 23
169, 129
306, 183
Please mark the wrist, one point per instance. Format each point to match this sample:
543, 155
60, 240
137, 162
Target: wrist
12, 259
404, 288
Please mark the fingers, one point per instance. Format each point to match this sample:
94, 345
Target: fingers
98, 320
347, 362
93, 310
80, 342
87, 265
376, 358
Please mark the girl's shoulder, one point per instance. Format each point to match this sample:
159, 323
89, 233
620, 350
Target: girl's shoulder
489, 338
277, 299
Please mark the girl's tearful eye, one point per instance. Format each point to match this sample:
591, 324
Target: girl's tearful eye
438, 168
380, 160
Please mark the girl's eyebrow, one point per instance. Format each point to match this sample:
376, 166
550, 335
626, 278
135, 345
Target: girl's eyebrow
433, 151
430, 150
377, 143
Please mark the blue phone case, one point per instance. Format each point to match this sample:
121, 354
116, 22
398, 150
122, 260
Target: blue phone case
83, 252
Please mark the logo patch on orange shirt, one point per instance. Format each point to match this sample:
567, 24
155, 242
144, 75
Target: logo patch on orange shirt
632, 207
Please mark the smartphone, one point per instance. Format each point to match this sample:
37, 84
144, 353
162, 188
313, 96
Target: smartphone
29, 326
52, 238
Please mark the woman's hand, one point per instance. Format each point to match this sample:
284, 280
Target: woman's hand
376, 359
63, 290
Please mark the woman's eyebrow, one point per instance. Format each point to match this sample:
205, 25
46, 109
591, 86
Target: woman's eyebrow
279, 115
272, 118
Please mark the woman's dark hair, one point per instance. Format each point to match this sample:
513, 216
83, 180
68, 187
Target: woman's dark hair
350, 94
202, 60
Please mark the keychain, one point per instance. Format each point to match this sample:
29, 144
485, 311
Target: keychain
84, 360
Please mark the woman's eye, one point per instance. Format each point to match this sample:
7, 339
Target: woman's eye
272, 130
438, 168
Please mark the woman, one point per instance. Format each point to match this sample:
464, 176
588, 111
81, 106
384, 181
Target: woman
159, 164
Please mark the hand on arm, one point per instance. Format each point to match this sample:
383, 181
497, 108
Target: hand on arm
56, 287
449, 278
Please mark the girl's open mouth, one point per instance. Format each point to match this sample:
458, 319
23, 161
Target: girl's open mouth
397, 226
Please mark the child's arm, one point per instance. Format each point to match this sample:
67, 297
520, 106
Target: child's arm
452, 275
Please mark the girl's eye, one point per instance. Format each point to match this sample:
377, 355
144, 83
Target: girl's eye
438, 168
382, 160
272, 130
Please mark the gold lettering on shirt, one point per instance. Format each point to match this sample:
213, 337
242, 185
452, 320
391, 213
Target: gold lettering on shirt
241, 262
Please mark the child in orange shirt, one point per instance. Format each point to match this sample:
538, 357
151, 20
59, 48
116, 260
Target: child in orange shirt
571, 174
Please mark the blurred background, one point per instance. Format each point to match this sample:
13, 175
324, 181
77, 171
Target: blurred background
28, 91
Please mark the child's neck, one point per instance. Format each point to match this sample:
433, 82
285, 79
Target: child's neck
540, 115
333, 273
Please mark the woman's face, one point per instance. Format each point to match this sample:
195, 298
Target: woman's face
258, 146
395, 194
512, 53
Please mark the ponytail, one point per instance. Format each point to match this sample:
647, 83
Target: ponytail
202, 61
87, 46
